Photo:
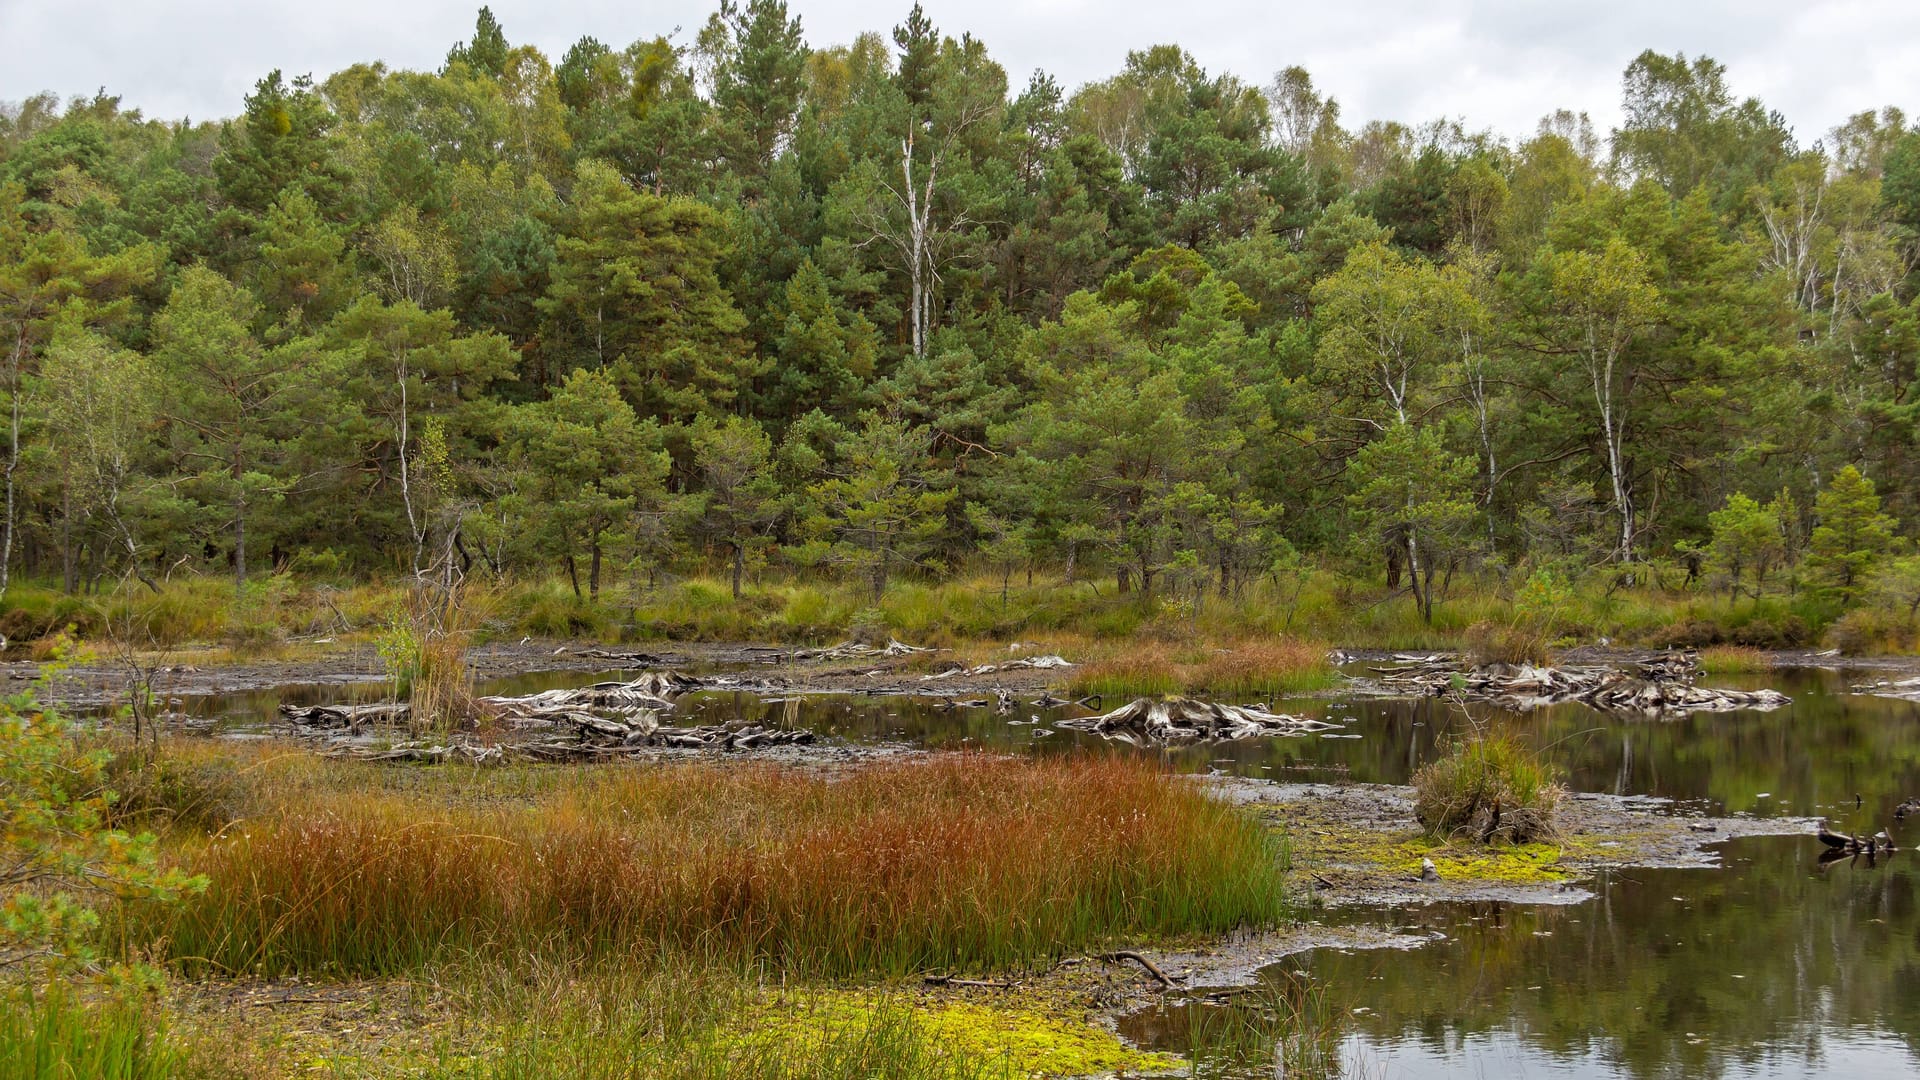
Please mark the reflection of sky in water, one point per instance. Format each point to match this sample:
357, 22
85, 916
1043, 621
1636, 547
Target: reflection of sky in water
1765, 968
1857, 1055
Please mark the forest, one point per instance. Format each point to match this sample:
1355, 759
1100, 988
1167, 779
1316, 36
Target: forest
736, 308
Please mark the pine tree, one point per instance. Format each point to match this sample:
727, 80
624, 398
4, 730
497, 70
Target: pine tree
1851, 536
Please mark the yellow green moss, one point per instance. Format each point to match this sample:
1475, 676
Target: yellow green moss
1007, 1041
1399, 853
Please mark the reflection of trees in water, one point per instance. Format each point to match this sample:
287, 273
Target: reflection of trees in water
1762, 959
1810, 755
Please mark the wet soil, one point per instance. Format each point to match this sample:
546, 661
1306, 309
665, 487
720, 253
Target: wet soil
103, 680
1358, 844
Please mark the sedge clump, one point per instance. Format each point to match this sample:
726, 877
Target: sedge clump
1486, 788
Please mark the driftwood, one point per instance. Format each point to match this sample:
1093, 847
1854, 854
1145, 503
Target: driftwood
1899, 689
622, 659
347, 717
855, 650
1048, 701
982, 984
599, 741
647, 693
1181, 720
1660, 687
1011, 665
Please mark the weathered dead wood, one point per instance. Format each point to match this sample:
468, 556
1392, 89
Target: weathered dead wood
1898, 689
601, 740
348, 717
1663, 687
623, 659
985, 984
1040, 662
1146, 721
1152, 968
856, 650
615, 697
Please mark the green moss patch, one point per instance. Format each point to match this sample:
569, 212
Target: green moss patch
1398, 853
1001, 1041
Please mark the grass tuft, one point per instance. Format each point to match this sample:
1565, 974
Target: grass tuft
1734, 660
1488, 787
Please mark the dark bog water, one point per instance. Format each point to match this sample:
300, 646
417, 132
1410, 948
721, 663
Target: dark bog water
1770, 966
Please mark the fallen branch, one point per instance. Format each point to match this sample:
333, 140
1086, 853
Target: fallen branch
985, 984
1152, 969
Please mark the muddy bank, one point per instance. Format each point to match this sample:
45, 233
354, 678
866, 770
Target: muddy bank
1358, 844
184, 673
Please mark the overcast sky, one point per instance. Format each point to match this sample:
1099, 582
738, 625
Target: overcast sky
1497, 64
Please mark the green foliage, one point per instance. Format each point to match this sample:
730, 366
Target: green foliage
882, 513
1851, 536
1746, 536
62, 859
1160, 331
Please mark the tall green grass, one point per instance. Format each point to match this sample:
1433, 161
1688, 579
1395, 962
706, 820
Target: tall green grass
53, 1035
962, 862
692, 1021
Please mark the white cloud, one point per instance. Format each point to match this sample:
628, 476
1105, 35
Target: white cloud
1497, 64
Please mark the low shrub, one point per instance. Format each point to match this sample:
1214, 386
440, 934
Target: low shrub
1488, 787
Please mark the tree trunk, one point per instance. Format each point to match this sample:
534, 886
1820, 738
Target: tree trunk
739, 561
239, 521
593, 570
240, 543
13, 453
573, 575
69, 574
1420, 602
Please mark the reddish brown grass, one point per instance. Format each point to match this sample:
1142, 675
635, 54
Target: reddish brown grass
961, 861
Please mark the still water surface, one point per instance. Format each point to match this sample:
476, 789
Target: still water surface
1769, 966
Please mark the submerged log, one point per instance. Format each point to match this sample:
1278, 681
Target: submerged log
1181, 720
1841, 845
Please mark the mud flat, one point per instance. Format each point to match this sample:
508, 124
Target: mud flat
1358, 844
